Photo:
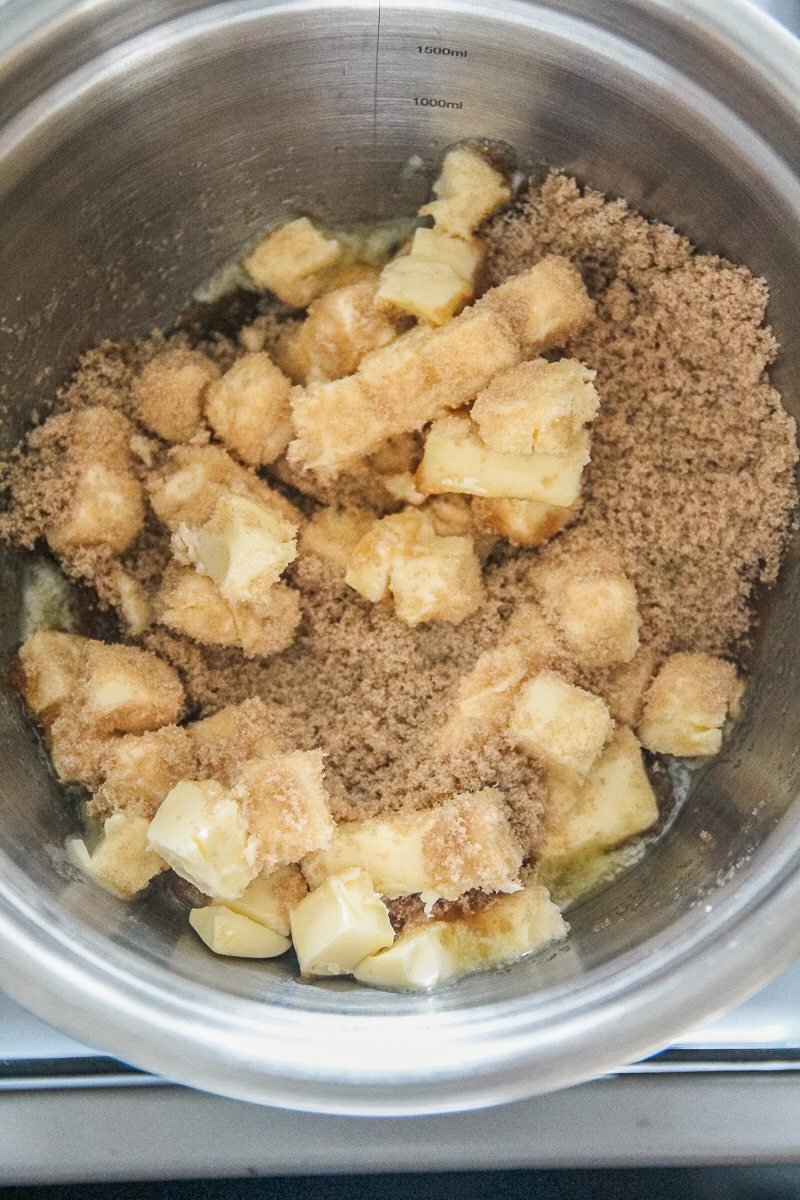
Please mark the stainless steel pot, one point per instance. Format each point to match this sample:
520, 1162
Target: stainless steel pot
141, 144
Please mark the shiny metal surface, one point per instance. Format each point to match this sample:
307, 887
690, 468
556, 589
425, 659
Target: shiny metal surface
142, 145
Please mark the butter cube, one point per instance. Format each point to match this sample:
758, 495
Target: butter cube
614, 803
521, 522
430, 291
232, 735
624, 687
105, 503
339, 924
369, 567
485, 698
560, 723
50, 666
504, 930
105, 508
187, 489
417, 961
123, 862
467, 191
170, 393
687, 705
429, 577
593, 604
286, 805
456, 460
140, 769
292, 261
536, 405
248, 409
202, 833
333, 532
462, 254
244, 547
341, 328
191, 604
439, 581
270, 898
230, 933
443, 852
122, 689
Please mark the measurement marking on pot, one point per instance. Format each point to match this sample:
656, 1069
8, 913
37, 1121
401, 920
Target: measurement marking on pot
436, 102
443, 51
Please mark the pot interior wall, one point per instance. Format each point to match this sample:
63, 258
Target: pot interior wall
145, 173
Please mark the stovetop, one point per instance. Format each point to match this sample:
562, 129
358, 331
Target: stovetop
728, 1092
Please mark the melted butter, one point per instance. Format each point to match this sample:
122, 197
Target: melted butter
575, 878
46, 599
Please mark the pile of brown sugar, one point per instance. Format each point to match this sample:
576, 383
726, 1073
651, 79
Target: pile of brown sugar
692, 481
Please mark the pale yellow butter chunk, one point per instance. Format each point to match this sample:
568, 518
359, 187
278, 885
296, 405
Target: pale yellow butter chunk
333, 532
341, 328
536, 405
506, 929
428, 372
591, 601
286, 805
339, 924
105, 503
122, 689
429, 577
687, 704
248, 409
463, 254
292, 261
614, 803
244, 547
170, 393
191, 604
417, 961
464, 843
50, 667
231, 933
521, 522
430, 291
270, 898
559, 723
202, 832
467, 191
122, 862
456, 460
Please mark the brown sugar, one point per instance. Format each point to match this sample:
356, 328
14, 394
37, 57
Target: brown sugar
693, 455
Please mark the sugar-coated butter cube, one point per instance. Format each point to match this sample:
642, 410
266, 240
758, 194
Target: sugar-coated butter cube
687, 704
286, 805
169, 394
248, 409
123, 862
559, 723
